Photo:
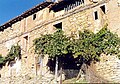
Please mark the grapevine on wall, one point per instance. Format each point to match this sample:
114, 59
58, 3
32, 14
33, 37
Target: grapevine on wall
14, 52
89, 46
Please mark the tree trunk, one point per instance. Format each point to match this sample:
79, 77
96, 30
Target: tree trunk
79, 74
41, 64
56, 70
83, 68
36, 69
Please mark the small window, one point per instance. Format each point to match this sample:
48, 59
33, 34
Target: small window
83, 1
34, 16
96, 15
58, 26
103, 8
118, 2
25, 43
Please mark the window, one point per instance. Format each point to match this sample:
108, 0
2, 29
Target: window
58, 26
118, 2
83, 1
25, 43
103, 8
96, 15
34, 16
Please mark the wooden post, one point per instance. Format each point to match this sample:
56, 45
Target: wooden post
10, 75
41, 64
56, 70
36, 66
61, 75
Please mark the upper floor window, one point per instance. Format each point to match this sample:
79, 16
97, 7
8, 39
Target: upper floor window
118, 2
34, 16
58, 26
103, 9
26, 43
95, 15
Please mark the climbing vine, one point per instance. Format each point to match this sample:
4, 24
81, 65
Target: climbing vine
88, 47
2, 60
52, 44
14, 52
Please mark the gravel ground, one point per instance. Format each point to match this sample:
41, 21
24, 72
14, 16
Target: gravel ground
26, 80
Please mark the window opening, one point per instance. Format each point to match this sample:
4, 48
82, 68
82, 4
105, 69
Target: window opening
58, 26
34, 16
82, 1
26, 43
103, 8
96, 15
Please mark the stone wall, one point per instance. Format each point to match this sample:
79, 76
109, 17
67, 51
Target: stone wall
81, 19
113, 16
73, 21
109, 68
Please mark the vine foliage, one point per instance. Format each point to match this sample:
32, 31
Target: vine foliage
87, 48
52, 44
14, 52
2, 61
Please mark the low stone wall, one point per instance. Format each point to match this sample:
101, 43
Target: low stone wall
109, 68
92, 76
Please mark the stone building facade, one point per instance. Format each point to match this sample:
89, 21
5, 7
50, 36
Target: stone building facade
69, 15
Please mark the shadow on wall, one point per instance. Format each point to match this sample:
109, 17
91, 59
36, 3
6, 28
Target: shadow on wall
75, 68
70, 65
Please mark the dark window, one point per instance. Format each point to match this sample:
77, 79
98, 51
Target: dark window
96, 15
103, 8
34, 16
58, 26
83, 1
25, 43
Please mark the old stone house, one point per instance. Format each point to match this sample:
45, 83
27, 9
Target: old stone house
69, 15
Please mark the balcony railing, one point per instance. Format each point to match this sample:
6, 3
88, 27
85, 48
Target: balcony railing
73, 5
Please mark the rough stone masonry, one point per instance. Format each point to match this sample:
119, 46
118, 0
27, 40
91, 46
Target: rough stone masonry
71, 16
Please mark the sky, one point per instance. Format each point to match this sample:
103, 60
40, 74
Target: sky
12, 8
